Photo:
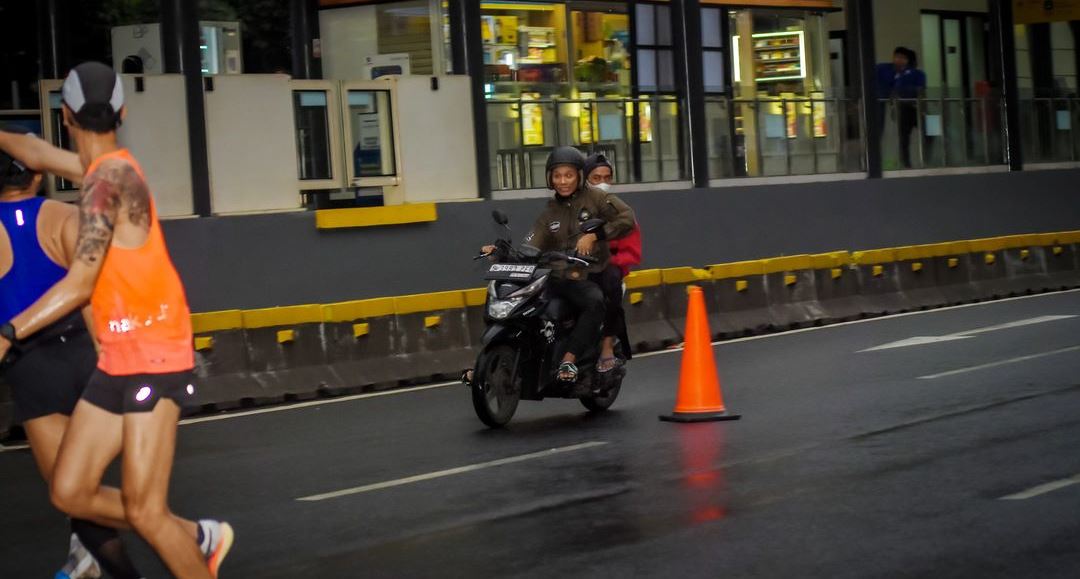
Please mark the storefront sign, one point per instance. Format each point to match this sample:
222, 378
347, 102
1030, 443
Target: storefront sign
1040, 11
828, 4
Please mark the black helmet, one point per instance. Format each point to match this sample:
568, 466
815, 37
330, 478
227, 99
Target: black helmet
595, 161
565, 156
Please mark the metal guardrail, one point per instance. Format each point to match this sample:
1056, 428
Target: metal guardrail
609, 128
945, 131
810, 135
1048, 126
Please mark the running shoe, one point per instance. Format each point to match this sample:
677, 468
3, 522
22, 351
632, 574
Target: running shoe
80, 564
220, 548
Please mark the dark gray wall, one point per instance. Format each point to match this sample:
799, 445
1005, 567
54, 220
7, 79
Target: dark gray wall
281, 259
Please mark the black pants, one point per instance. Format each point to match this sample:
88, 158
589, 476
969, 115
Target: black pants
587, 299
908, 121
610, 281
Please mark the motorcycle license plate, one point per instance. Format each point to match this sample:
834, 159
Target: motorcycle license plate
510, 271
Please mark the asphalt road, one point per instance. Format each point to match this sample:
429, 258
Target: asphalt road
893, 462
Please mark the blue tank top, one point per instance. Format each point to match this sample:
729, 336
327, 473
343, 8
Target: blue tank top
32, 272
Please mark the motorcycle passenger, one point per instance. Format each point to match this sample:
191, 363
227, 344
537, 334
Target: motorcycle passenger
625, 253
558, 228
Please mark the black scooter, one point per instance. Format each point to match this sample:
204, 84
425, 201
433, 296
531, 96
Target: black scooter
526, 336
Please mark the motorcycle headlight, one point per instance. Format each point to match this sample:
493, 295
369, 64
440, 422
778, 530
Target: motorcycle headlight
501, 309
530, 289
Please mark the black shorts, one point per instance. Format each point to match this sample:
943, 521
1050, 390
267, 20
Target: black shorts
139, 392
50, 377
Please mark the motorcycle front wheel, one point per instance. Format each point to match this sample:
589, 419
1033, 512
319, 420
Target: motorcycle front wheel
601, 402
495, 395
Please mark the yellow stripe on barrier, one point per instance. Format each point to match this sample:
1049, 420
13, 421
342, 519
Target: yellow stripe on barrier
830, 260
874, 256
432, 321
642, 279
360, 330
1024, 254
836, 273
742, 285
1058, 250
990, 259
914, 252
286, 316
1069, 237
476, 297
636, 298
683, 275
429, 302
286, 336
879, 270
358, 310
217, 321
203, 343
790, 279
790, 263
374, 216
988, 245
917, 266
737, 269
954, 262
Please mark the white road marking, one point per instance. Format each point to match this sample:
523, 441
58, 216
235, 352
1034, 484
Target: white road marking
1042, 489
999, 363
310, 403
922, 340
451, 472
322, 401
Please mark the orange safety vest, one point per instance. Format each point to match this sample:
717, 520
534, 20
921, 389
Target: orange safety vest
140, 311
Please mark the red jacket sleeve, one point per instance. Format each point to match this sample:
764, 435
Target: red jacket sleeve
626, 252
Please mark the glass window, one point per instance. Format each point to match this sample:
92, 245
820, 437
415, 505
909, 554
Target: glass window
525, 47
405, 29
714, 71
646, 24
371, 130
601, 54
312, 134
387, 38
711, 37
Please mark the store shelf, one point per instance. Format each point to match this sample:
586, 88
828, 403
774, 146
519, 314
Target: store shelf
777, 47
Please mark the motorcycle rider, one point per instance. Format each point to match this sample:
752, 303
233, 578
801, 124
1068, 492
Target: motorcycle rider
558, 228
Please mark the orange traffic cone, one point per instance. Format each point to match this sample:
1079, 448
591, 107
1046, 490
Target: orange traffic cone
699, 398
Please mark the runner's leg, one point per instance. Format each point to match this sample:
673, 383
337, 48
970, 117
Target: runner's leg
45, 434
149, 446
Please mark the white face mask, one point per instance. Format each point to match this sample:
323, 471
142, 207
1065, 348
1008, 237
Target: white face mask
605, 187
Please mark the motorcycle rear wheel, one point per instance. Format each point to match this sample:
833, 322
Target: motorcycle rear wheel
495, 395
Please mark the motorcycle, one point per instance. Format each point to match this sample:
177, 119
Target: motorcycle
526, 335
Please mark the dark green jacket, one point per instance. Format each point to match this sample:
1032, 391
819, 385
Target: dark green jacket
559, 226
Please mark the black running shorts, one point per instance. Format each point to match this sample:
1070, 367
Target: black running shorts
50, 377
139, 392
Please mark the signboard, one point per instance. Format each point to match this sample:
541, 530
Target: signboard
1041, 11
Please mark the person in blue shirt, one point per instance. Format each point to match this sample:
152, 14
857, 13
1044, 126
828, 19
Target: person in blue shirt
901, 79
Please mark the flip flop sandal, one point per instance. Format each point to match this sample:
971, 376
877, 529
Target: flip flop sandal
604, 361
568, 372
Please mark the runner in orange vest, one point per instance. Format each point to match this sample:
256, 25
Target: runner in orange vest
133, 401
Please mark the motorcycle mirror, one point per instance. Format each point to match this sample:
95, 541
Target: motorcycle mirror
500, 217
530, 251
593, 225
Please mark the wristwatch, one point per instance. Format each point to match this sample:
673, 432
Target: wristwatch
7, 331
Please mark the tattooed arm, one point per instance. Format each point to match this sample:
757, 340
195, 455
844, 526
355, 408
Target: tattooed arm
98, 210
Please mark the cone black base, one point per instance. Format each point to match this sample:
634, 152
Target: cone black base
699, 416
